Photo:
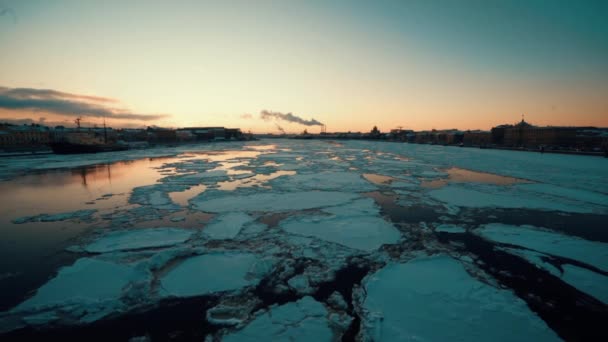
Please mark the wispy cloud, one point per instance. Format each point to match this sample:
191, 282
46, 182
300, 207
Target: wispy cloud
67, 104
289, 117
246, 116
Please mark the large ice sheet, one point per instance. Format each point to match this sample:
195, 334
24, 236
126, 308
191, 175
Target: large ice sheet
435, 299
505, 197
226, 226
209, 273
340, 181
569, 193
578, 172
138, 238
589, 252
94, 284
272, 202
358, 232
304, 320
587, 281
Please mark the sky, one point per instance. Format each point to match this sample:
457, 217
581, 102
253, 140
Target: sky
264, 65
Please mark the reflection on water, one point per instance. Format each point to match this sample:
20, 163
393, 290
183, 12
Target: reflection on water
183, 219
271, 163
58, 191
221, 156
457, 175
262, 147
378, 179
30, 252
182, 197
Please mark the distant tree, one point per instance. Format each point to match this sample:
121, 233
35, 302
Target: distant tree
305, 132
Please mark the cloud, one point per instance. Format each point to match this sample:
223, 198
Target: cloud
289, 117
246, 116
29, 121
66, 104
28, 93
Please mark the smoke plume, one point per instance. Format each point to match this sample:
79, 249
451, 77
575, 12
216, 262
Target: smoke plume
289, 117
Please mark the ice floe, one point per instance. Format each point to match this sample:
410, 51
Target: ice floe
450, 228
138, 239
209, 273
592, 283
590, 252
435, 299
342, 181
83, 215
359, 232
487, 196
272, 202
356, 224
90, 285
155, 196
304, 320
293, 234
540, 245
226, 226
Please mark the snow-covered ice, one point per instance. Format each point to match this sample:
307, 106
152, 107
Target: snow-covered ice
435, 299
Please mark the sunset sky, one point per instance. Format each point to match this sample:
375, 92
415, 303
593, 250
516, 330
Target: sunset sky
467, 64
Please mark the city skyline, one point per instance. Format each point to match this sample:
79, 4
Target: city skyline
349, 65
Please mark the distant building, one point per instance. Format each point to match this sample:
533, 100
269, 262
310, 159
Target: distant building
161, 135
400, 134
477, 138
524, 134
23, 136
133, 134
211, 133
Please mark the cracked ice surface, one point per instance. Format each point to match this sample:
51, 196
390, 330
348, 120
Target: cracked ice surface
296, 219
435, 299
138, 239
304, 320
539, 244
356, 226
